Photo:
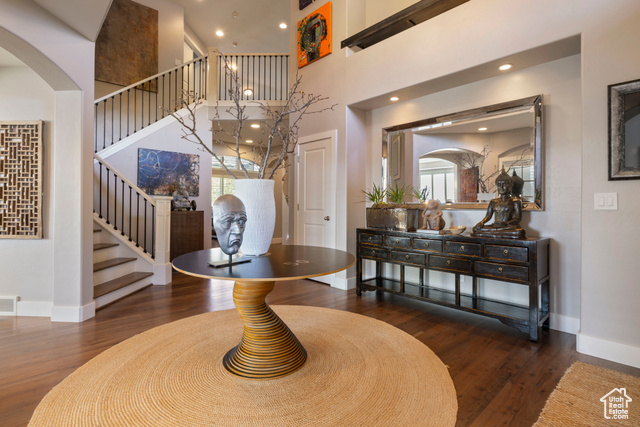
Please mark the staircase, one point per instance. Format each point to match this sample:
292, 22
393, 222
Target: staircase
115, 269
131, 236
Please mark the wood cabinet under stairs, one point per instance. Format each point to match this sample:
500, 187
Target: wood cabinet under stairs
114, 273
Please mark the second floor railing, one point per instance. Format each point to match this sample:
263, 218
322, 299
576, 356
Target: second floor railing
135, 107
261, 77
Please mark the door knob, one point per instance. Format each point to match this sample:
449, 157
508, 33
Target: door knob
326, 218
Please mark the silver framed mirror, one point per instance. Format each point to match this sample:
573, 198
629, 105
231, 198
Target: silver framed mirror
624, 130
458, 156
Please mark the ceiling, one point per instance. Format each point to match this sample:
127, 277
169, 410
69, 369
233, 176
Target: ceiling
255, 29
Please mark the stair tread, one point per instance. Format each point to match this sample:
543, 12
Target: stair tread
120, 282
98, 246
97, 230
110, 263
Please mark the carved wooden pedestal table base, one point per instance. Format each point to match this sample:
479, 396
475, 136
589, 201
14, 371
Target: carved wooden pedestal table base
268, 348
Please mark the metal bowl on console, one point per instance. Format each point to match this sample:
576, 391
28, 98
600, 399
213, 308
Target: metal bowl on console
457, 229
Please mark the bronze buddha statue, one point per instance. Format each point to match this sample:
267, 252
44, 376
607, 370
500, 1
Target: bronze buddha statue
507, 209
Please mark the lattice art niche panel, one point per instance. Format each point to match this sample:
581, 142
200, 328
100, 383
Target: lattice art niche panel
21, 157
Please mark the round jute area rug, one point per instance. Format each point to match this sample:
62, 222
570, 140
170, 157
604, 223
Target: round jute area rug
360, 372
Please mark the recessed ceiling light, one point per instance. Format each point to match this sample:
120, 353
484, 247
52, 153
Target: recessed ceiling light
505, 67
394, 98
219, 33
234, 15
248, 92
482, 129
255, 126
283, 25
249, 141
234, 44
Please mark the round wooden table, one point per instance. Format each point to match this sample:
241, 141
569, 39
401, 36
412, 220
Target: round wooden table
268, 348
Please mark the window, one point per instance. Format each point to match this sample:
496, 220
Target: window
221, 182
438, 176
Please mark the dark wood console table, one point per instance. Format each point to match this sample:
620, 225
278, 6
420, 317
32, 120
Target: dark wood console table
187, 232
521, 262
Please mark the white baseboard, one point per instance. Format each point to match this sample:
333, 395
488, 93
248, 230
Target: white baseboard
609, 350
34, 308
558, 322
162, 274
337, 282
73, 314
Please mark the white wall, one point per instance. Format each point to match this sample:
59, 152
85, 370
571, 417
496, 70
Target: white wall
167, 138
65, 60
377, 10
25, 96
595, 276
559, 83
166, 135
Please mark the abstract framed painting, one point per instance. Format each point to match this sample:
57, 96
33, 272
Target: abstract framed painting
159, 172
314, 36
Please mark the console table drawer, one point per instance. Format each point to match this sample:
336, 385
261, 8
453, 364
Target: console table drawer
462, 248
371, 239
398, 242
502, 271
427, 245
450, 264
409, 258
366, 252
510, 253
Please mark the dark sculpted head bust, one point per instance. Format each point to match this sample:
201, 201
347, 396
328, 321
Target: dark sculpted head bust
229, 220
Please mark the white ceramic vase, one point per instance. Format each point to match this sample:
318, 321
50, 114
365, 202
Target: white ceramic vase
259, 201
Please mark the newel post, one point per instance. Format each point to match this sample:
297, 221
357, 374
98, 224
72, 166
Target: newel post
212, 76
162, 265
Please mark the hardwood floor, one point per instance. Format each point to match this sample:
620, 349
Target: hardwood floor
501, 378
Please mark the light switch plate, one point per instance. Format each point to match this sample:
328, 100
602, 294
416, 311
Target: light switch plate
605, 201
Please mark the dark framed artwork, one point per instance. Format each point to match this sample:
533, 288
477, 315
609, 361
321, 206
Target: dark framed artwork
304, 3
127, 45
159, 172
314, 36
624, 130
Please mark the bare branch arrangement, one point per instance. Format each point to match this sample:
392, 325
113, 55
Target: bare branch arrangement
468, 160
280, 126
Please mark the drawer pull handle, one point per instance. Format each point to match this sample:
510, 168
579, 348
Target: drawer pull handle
369, 238
426, 245
448, 263
499, 269
407, 256
505, 252
397, 240
373, 252
462, 248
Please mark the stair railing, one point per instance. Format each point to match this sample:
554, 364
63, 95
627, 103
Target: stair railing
124, 207
129, 110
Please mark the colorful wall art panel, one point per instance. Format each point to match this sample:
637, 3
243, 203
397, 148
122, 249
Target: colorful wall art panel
314, 36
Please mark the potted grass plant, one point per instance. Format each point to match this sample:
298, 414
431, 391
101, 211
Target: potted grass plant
389, 209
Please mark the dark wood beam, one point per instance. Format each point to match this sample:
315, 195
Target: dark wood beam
403, 20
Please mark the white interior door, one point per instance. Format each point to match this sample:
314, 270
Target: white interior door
315, 215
